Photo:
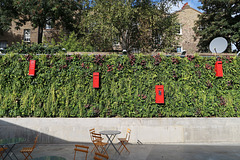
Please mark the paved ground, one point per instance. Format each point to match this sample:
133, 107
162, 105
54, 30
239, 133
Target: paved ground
144, 152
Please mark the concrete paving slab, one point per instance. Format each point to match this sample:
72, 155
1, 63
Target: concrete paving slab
143, 152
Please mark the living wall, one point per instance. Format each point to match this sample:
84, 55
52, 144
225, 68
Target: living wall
62, 86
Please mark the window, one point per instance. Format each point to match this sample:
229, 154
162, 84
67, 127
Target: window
27, 35
116, 41
135, 50
179, 49
49, 24
158, 39
3, 44
201, 28
179, 29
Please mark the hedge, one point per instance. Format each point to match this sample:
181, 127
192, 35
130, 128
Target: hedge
62, 86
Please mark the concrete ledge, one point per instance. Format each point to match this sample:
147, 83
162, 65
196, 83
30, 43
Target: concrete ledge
146, 130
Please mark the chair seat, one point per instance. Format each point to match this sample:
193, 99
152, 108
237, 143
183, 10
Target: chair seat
100, 143
27, 149
122, 139
3, 149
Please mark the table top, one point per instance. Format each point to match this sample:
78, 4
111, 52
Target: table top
109, 132
7, 141
49, 158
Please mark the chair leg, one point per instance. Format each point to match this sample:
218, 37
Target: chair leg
122, 144
120, 147
103, 148
86, 156
126, 148
26, 156
94, 149
74, 155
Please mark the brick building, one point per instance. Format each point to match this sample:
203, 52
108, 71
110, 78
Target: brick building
187, 17
26, 33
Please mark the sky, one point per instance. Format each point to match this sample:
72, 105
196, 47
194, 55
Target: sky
193, 3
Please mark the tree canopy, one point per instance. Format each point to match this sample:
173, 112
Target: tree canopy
219, 18
39, 13
134, 24
7, 13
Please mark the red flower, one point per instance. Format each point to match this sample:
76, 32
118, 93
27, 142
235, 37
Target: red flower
158, 59
208, 67
83, 65
175, 61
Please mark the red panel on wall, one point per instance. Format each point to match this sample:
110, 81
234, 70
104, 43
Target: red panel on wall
32, 66
159, 89
95, 79
218, 69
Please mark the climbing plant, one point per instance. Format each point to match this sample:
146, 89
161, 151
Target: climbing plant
62, 86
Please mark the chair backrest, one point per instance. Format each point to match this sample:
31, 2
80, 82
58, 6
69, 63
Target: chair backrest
92, 131
35, 141
96, 137
99, 156
81, 148
128, 134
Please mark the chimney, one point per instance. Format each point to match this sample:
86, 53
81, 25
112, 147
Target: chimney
185, 6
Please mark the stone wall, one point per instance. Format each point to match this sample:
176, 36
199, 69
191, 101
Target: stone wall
187, 17
146, 130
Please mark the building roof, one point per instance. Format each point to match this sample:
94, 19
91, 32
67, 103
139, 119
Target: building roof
187, 6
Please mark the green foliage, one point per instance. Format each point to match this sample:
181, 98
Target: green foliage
62, 86
73, 44
57, 13
7, 14
24, 48
219, 18
145, 25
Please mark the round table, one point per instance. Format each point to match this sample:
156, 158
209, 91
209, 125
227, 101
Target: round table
49, 158
10, 143
110, 134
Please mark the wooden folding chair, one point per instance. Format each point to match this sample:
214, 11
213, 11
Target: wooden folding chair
99, 156
97, 141
124, 141
81, 148
93, 139
2, 150
28, 150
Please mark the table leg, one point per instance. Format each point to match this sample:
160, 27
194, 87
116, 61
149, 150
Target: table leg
9, 150
110, 139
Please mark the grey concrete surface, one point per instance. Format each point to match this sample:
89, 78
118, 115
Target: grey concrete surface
143, 152
147, 130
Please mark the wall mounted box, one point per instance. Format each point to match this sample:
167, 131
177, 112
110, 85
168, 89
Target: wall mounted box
32, 66
218, 69
159, 89
96, 79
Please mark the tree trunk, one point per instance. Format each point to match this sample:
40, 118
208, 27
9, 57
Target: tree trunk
40, 34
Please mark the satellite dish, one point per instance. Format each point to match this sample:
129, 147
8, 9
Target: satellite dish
218, 45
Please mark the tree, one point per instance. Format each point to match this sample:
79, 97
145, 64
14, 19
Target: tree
220, 18
133, 23
62, 13
7, 14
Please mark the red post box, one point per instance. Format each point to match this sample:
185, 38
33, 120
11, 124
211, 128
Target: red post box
32, 66
159, 89
95, 79
218, 69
